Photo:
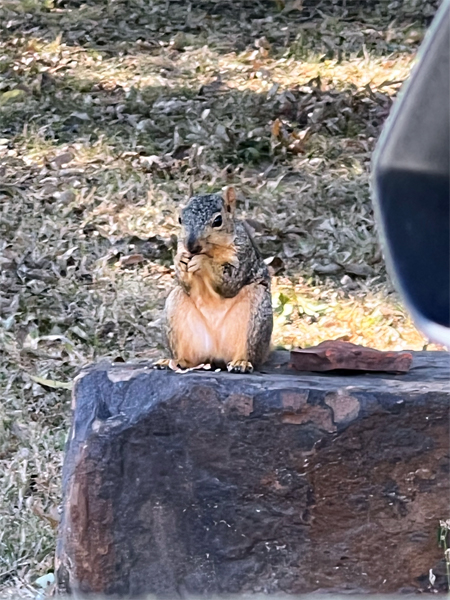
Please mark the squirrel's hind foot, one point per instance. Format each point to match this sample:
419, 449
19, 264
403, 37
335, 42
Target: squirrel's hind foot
240, 366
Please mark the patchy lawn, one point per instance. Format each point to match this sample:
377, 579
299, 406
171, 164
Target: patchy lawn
111, 113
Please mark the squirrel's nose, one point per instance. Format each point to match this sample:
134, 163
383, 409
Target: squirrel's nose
192, 245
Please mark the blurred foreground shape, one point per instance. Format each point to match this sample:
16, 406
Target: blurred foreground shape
412, 185
211, 483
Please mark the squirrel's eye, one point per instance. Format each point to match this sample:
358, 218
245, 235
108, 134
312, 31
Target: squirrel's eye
179, 220
217, 221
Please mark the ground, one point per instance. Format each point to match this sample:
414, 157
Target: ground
111, 114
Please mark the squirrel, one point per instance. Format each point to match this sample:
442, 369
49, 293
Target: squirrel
220, 311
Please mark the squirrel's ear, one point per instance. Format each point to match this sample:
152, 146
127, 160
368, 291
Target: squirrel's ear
230, 199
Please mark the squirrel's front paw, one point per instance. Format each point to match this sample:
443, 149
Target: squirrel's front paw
240, 366
182, 262
195, 264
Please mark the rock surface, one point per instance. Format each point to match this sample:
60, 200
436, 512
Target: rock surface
209, 483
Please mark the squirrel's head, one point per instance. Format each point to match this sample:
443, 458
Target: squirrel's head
208, 221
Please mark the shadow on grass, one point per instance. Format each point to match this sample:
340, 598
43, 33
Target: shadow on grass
160, 136
171, 119
230, 125
132, 26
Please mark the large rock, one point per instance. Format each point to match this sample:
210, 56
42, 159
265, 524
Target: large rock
275, 482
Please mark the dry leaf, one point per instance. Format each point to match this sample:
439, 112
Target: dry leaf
63, 159
276, 125
131, 259
52, 383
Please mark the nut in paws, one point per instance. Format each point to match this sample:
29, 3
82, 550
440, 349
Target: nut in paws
183, 262
195, 264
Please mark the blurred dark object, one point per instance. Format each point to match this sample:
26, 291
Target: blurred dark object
338, 355
412, 191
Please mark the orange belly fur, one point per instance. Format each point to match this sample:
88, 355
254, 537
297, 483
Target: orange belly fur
206, 327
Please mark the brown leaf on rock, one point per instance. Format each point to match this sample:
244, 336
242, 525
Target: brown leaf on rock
334, 354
